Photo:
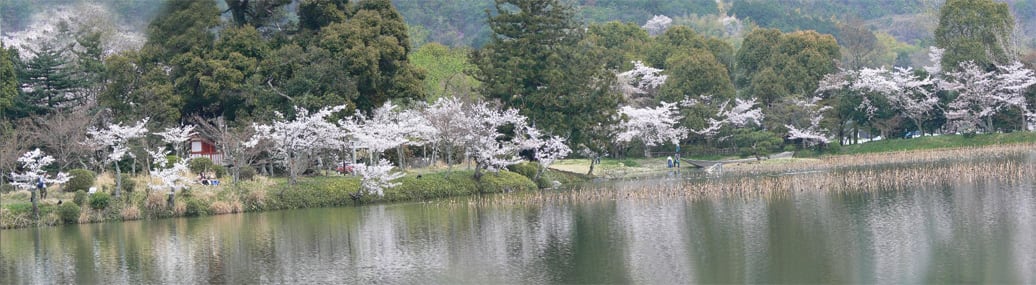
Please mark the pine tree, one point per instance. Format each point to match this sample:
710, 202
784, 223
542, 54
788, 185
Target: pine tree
48, 80
8, 82
539, 63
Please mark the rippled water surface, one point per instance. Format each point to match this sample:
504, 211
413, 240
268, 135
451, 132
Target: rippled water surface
984, 232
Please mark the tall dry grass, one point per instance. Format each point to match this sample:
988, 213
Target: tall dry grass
915, 170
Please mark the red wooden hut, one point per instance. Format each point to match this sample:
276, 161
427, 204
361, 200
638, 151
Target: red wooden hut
203, 147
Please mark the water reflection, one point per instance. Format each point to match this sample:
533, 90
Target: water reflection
982, 232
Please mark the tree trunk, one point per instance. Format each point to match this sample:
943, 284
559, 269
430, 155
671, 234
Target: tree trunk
592, 160
35, 205
399, 151
478, 172
171, 201
647, 151
291, 168
118, 180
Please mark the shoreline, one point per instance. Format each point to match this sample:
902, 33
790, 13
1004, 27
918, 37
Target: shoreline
268, 194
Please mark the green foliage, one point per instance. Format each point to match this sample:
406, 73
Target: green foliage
756, 143
621, 43
69, 213
373, 44
128, 185
80, 197
630, 163
48, 76
82, 179
99, 200
181, 27
247, 172
529, 170
8, 81
539, 63
975, 30
195, 207
200, 164
444, 69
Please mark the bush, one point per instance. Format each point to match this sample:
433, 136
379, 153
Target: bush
219, 170
82, 179
200, 164
7, 188
80, 197
630, 163
247, 172
69, 213
527, 169
195, 207
100, 200
128, 185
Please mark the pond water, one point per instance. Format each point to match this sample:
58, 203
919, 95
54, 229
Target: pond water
979, 233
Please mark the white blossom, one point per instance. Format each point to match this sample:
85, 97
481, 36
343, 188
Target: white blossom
657, 25
33, 164
295, 139
642, 79
812, 134
651, 126
378, 177
115, 137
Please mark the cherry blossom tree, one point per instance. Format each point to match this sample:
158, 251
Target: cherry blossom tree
389, 128
641, 80
295, 140
650, 126
375, 178
377, 133
490, 149
811, 134
178, 137
657, 25
973, 107
114, 140
908, 94
549, 150
740, 114
983, 94
1012, 81
34, 177
449, 118
170, 175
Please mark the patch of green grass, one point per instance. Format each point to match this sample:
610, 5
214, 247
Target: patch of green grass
941, 141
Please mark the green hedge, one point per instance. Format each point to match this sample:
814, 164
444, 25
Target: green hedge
82, 179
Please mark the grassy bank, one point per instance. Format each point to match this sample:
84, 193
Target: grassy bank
262, 194
932, 142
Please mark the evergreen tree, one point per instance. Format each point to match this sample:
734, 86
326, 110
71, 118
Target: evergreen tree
373, 45
8, 82
539, 63
975, 30
47, 79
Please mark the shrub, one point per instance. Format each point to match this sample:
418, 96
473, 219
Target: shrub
219, 170
130, 213
69, 213
82, 179
157, 200
99, 200
526, 169
247, 172
7, 188
200, 164
630, 163
195, 207
128, 185
220, 207
80, 197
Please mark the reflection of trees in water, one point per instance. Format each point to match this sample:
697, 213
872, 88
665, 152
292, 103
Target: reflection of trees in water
655, 234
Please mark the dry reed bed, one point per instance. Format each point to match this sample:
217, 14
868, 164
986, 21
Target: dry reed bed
916, 170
